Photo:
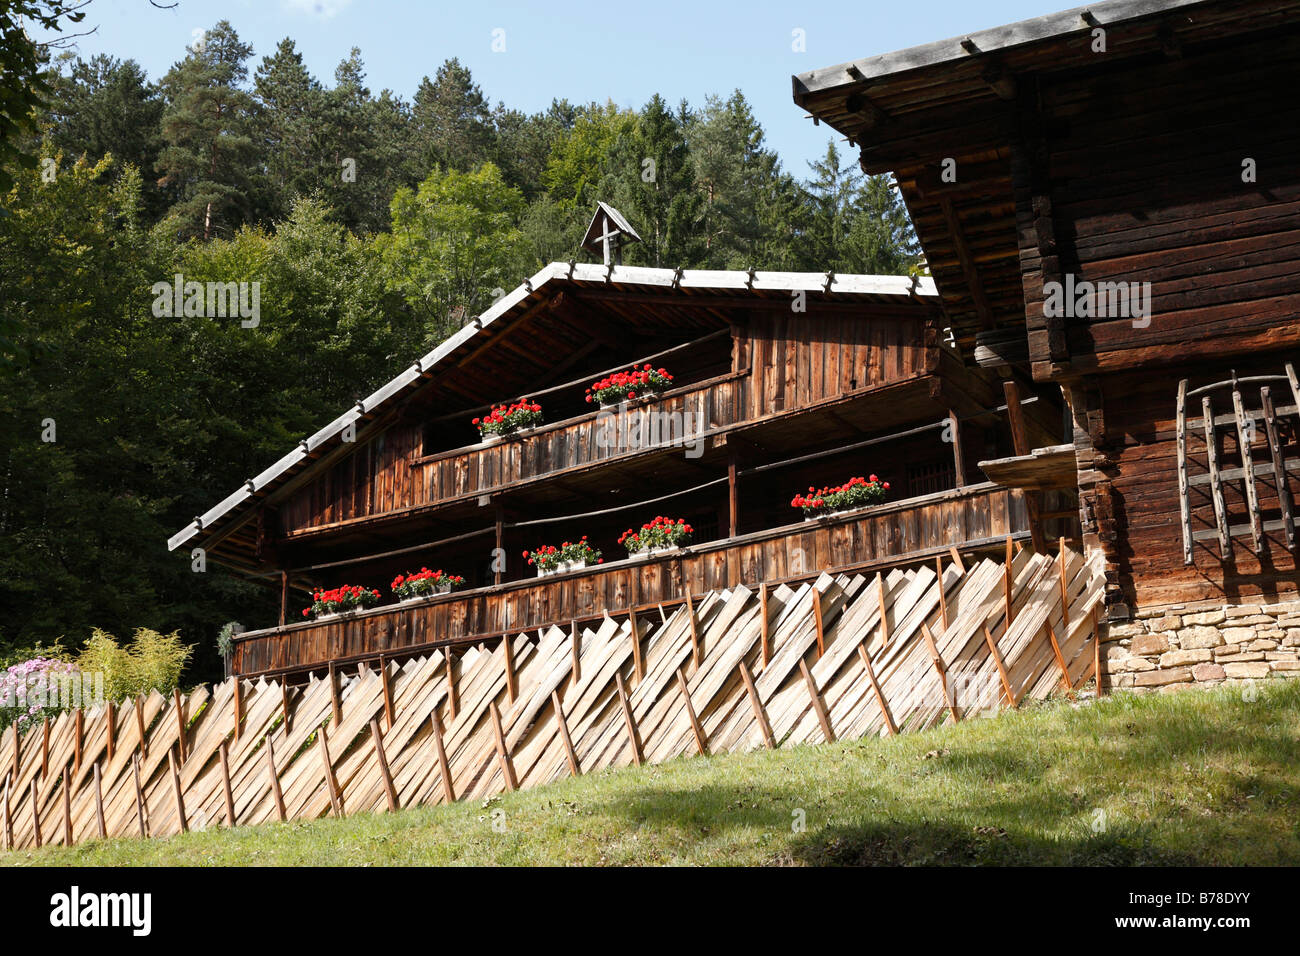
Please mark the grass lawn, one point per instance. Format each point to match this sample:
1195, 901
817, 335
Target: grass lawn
1203, 777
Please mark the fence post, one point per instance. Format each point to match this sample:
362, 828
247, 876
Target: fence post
139, 796
634, 738
99, 802
943, 596
444, 768
331, 781
139, 723
817, 621
1065, 588
1096, 650
284, 702
336, 702
503, 754
510, 666
224, 750
8, 816
1006, 585
275, 780
875, 687
78, 741
701, 741
176, 791
45, 747
638, 665
110, 727
180, 722
238, 699
453, 699
563, 725
695, 630
756, 704
765, 637
388, 691
884, 609
819, 707
67, 807
575, 654
36, 814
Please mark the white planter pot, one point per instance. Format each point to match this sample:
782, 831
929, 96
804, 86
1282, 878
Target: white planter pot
336, 616
647, 553
444, 588
564, 567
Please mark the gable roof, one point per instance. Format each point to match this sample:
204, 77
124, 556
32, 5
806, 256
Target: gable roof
552, 279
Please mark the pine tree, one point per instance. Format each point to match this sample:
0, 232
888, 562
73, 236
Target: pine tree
286, 127
209, 153
453, 125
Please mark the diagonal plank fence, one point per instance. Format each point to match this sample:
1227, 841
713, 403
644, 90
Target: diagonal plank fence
735, 670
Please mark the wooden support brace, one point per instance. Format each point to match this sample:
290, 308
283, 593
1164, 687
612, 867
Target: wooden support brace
884, 609
100, 826
1007, 583
336, 699
177, 793
453, 696
327, 764
638, 665
503, 752
956, 559
943, 592
377, 737
67, 807
284, 703
18, 749
1184, 504
818, 622
110, 727
756, 704
387, 686
634, 738
45, 747
937, 660
765, 638
695, 630
237, 697
1060, 658
562, 724
179, 707
79, 738
823, 718
140, 815
575, 655
440, 750
511, 678
274, 774
36, 815
875, 688
1012, 701
226, 792
8, 815
701, 741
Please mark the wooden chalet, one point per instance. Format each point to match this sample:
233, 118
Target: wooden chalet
1140, 145
781, 382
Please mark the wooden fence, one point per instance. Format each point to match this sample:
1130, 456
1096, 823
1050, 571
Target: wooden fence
732, 670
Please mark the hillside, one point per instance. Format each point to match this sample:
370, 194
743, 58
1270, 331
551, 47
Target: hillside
1192, 778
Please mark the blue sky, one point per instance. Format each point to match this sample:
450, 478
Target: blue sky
624, 51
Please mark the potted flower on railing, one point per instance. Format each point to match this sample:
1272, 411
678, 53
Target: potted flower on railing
335, 602
569, 556
657, 536
853, 494
425, 583
645, 382
506, 420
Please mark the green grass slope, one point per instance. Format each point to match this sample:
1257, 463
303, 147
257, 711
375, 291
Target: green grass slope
1207, 777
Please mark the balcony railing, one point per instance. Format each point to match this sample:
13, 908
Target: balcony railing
880, 536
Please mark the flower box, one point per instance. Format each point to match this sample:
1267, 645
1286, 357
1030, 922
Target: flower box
506, 420
647, 553
641, 398
564, 567
569, 556
658, 536
646, 382
423, 584
854, 495
333, 603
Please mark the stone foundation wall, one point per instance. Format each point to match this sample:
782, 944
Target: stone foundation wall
1181, 646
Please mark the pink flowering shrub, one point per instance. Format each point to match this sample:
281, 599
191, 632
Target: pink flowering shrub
30, 691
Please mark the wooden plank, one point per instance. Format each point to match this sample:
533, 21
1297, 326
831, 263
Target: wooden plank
943, 592
633, 736
274, 776
453, 696
756, 705
512, 680
695, 629
1184, 503
818, 705
237, 699
884, 609
18, 749
562, 725
638, 665
956, 559
227, 794
177, 794
1056, 653
958, 458
1064, 581
139, 796
100, 826
327, 764
575, 652
45, 747
1245, 431
701, 740
79, 737
1279, 471
8, 815
816, 598
336, 699
1216, 485
284, 704
875, 689
503, 753
387, 688
67, 807
36, 815
377, 738
110, 728
765, 636
1008, 609
179, 710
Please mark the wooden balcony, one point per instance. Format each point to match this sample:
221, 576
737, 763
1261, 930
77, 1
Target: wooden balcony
881, 536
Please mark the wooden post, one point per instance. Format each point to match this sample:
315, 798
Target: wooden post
695, 629
1065, 588
958, 459
503, 753
1245, 429
180, 722
1216, 483
756, 704
275, 780
18, 748
139, 796
336, 699
388, 691
499, 512
1096, 651
453, 698
766, 636
884, 611
511, 682
45, 747
284, 703
139, 725
956, 559
1020, 443
943, 596
1006, 585
1279, 466
1184, 505
575, 653
284, 596
67, 807
176, 792
875, 687
36, 814
634, 738
562, 725
8, 815
638, 665
701, 741
99, 803
78, 741
391, 791
731, 495
817, 622
440, 749
331, 781
229, 794
823, 718
110, 727
937, 660
237, 697
1002, 668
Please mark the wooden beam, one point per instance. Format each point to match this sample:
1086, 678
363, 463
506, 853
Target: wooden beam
967, 262
453, 698
237, 698
440, 751
512, 681
765, 635
875, 689
36, 815
1184, 504
79, 737
177, 793
110, 727
8, 815
139, 724
731, 496
284, 596
336, 698
503, 752
884, 609
327, 764
1060, 658
275, 780
937, 661
943, 596
1216, 484
100, 826
575, 655
224, 752
695, 629
1007, 609
1245, 431
179, 708
377, 737
818, 622
1096, 652
1002, 668
958, 457
67, 807
634, 738
139, 796
1065, 585
1020, 442
823, 718
701, 741
562, 725
638, 665
756, 704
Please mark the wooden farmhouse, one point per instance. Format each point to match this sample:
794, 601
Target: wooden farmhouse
781, 383
1108, 200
